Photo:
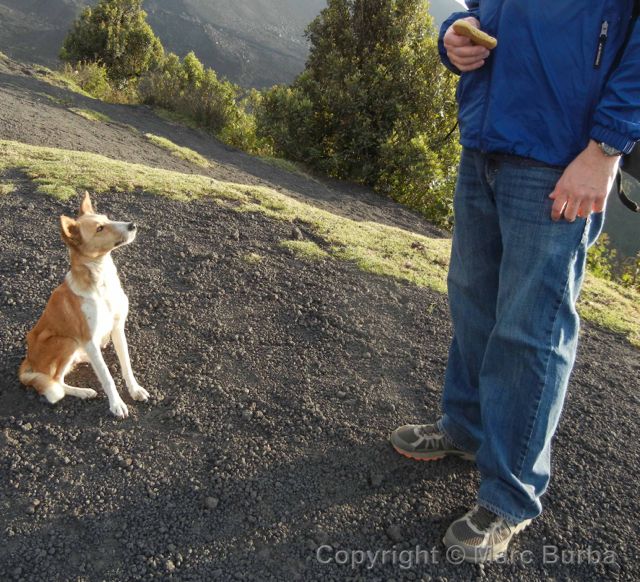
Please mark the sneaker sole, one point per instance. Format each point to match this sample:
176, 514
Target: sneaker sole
431, 456
478, 555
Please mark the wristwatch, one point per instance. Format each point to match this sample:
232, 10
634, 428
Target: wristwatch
608, 150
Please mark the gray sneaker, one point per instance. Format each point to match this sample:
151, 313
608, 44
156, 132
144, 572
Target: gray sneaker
480, 535
424, 442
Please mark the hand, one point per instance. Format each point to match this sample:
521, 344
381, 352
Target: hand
584, 185
465, 55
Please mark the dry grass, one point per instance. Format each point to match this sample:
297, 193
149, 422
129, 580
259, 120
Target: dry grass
178, 151
91, 115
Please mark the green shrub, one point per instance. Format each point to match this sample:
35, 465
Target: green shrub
630, 276
417, 174
601, 258
90, 77
93, 79
372, 105
114, 33
283, 118
186, 87
603, 262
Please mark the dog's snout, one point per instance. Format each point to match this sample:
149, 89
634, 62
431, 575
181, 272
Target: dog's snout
132, 226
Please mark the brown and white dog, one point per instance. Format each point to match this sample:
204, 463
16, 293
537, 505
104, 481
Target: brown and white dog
82, 313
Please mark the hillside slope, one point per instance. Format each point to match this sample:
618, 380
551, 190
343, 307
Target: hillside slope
255, 43
277, 369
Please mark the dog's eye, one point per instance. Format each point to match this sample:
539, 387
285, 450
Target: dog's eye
100, 229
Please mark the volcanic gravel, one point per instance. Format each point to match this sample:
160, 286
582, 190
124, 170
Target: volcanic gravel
274, 385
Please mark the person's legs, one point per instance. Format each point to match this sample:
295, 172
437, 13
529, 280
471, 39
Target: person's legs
473, 288
531, 349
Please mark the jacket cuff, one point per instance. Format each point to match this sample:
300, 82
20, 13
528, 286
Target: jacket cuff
622, 143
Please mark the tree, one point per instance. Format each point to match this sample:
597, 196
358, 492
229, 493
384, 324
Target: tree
115, 34
379, 101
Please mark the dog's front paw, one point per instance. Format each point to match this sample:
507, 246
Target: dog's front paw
119, 409
88, 394
139, 393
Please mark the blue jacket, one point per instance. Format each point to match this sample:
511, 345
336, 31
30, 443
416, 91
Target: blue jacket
552, 82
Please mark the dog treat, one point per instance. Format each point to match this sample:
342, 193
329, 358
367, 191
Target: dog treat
465, 28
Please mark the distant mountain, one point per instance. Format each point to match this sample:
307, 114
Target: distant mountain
255, 43
33, 30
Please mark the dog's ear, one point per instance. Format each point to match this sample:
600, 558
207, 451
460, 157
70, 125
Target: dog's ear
69, 230
86, 207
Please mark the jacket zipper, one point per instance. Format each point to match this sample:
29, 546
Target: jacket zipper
483, 147
602, 41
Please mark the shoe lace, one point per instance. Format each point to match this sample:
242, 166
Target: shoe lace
428, 434
485, 520
427, 431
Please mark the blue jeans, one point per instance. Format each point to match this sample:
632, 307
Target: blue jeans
513, 283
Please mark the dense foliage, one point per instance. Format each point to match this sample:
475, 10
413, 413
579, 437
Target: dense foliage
187, 87
603, 262
373, 104
114, 33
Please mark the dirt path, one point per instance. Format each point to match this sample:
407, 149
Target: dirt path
274, 386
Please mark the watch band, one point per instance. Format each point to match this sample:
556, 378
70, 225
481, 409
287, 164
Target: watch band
608, 150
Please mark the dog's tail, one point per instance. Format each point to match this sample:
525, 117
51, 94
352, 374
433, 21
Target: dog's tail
53, 391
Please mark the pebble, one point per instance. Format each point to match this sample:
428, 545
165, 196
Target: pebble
394, 532
375, 479
211, 502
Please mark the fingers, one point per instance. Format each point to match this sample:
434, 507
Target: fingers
585, 208
584, 185
468, 58
461, 51
599, 204
467, 68
559, 202
452, 40
571, 209
574, 207
472, 51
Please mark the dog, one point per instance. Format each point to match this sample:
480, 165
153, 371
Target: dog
87, 309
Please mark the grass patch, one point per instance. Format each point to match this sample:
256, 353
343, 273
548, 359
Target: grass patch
56, 100
286, 165
175, 117
60, 80
374, 247
611, 306
63, 174
178, 151
91, 115
7, 188
306, 249
252, 258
